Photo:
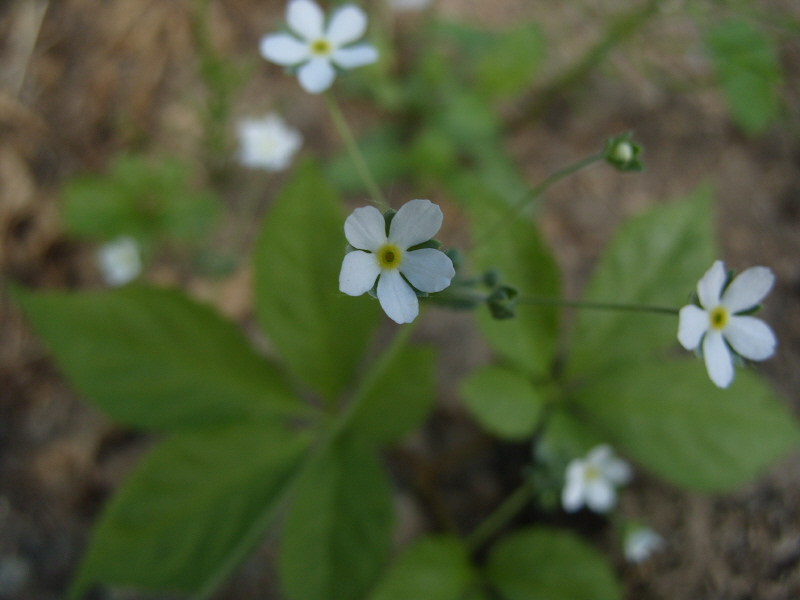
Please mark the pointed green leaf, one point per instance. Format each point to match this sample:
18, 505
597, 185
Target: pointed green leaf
654, 259
319, 332
153, 358
514, 246
192, 510
749, 71
398, 398
434, 568
673, 420
508, 65
338, 532
543, 563
504, 401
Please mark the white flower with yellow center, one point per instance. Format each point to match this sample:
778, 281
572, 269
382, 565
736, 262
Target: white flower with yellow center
119, 261
718, 324
592, 481
268, 143
392, 259
314, 48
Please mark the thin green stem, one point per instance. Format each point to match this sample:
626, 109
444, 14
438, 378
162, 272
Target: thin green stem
542, 300
355, 154
500, 517
535, 192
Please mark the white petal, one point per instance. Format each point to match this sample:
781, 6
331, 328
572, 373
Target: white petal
748, 289
427, 269
692, 324
709, 287
750, 337
358, 274
283, 49
305, 18
397, 299
348, 24
316, 75
599, 454
416, 222
617, 471
600, 495
355, 56
365, 229
718, 359
572, 496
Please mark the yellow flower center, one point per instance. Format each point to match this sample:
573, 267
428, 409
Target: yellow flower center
718, 318
390, 256
320, 47
591, 473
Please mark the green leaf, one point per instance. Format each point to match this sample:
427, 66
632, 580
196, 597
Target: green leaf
504, 401
398, 398
547, 564
320, 332
673, 420
434, 568
748, 69
142, 198
654, 259
338, 532
508, 65
192, 510
155, 359
514, 246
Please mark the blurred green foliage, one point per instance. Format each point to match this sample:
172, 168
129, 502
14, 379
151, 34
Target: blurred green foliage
151, 200
747, 67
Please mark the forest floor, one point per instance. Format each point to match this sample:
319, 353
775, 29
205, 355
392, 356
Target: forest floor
84, 80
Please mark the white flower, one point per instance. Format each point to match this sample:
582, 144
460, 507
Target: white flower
409, 4
641, 543
592, 480
319, 48
717, 322
268, 143
119, 261
389, 257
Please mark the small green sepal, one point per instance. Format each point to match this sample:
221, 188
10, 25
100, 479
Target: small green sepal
502, 302
622, 153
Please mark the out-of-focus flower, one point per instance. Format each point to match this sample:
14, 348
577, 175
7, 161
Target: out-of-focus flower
316, 49
719, 325
640, 544
592, 481
268, 143
402, 5
119, 261
389, 259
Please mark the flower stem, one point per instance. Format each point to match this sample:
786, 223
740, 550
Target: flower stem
535, 192
543, 300
500, 517
355, 154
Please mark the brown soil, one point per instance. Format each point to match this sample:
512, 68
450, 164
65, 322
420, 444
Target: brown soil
85, 79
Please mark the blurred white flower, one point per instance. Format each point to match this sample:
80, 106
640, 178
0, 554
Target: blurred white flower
119, 261
592, 481
388, 257
315, 48
719, 326
268, 143
409, 4
641, 543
